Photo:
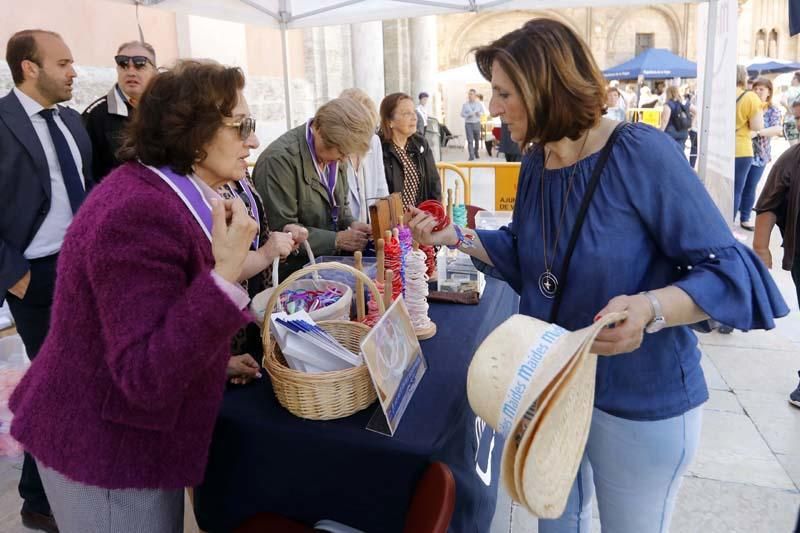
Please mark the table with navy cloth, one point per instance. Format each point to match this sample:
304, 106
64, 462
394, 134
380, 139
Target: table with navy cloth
264, 459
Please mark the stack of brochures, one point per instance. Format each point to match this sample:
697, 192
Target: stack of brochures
307, 347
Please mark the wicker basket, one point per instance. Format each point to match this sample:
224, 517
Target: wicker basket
324, 395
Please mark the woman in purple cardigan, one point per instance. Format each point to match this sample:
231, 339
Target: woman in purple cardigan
130, 379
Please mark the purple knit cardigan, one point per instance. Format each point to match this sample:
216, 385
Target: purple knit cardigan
126, 388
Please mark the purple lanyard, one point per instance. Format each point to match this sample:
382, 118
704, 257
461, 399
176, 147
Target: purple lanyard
329, 182
193, 197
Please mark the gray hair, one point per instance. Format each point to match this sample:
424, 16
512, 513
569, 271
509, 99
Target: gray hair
146, 46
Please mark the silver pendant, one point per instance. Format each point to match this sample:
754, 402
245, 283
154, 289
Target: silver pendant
548, 284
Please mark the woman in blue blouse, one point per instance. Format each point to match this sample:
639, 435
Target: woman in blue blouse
653, 244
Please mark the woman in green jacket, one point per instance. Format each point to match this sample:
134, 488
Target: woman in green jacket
301, 180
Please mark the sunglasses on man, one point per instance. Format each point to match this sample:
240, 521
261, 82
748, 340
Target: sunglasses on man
246, 127
139, 62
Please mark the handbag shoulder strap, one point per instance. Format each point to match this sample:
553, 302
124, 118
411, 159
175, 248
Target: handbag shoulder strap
576, 229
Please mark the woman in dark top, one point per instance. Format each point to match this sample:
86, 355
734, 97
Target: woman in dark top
407, 158
652, 244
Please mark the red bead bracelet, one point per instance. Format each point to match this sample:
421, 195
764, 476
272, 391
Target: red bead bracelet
435, 209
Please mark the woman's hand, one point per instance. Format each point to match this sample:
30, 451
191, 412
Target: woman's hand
298, 232
279, 245
242, 369
230, 241
362, 227
765, 255
625, 336
351, 240
422, 224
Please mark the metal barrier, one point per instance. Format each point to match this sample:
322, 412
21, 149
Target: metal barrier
443, 167
644, 114
506, 176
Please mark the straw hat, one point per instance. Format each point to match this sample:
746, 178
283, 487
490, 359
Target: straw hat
533, 382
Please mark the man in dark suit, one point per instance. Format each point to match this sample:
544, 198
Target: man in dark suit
45, 171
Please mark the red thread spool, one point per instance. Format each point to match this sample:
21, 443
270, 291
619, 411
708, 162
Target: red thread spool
436, 209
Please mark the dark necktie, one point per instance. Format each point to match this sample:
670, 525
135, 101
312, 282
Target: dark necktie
69, 171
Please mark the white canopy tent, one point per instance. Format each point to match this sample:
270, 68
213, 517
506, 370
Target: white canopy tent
289, 14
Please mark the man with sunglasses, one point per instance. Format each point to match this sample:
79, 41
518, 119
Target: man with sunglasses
106, 117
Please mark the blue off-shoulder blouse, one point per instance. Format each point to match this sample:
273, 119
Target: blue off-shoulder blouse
651, 224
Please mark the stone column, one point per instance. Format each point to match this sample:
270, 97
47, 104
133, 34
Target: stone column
366, 44
395, 55
424, 56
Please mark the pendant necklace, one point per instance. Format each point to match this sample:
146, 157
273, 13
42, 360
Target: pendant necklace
548, 282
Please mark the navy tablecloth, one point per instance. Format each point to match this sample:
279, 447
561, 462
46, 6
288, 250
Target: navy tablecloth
263, 459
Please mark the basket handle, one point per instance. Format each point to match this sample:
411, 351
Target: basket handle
276, 292
277, 260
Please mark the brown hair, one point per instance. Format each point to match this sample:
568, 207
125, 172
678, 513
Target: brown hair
180, 112
556, 76
764, 82
22, 47
146, 46
388, 107
346, 124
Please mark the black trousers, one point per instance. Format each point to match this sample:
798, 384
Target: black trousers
32, 317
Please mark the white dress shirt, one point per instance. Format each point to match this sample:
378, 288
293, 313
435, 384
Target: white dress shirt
424, 113
48, 239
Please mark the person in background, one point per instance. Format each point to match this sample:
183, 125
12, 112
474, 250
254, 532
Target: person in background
302, 178
106, 117
621, 102
749, 119
147, 274
789, 97
630, 96
647, 100
613, 110
779, 204
690, 101
509, 146
45, 172
648, 403
762, 150
407, 158
471, 112
676, 119
422, 112
366, 177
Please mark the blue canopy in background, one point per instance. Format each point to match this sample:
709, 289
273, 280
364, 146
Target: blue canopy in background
653, 63
768, 65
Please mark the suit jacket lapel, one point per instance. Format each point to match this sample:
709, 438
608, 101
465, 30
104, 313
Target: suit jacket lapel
20, 125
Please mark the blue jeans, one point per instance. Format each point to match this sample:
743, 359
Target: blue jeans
635, 467
473, 130
741, 167
749, 192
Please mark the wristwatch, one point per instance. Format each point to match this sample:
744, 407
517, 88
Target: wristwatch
659, 322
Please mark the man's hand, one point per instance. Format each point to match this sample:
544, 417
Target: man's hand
20, 288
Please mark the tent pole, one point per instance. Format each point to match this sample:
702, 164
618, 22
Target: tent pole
708, 68
287, 89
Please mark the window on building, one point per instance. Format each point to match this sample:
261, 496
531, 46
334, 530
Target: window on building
644, 41
761, 43
772, 49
